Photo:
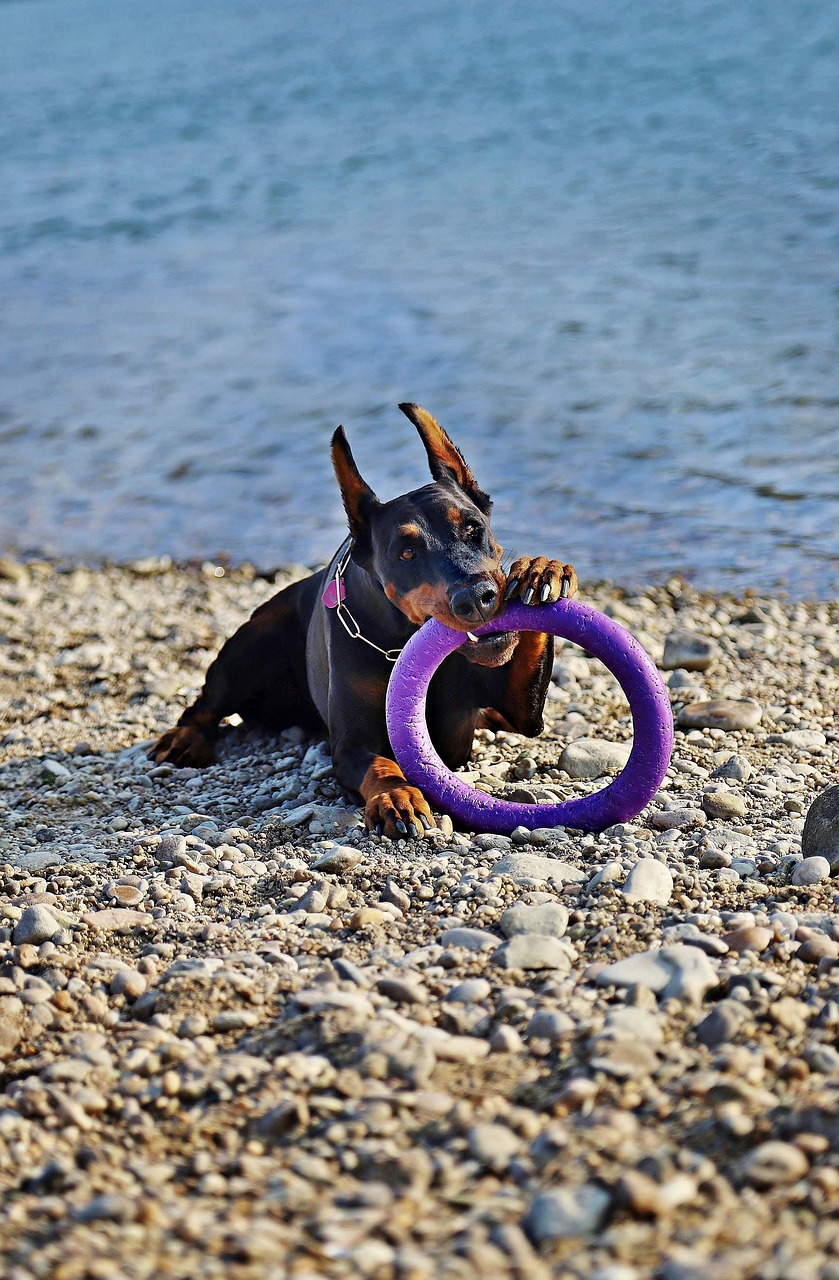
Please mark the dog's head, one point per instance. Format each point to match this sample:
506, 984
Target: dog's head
431, 550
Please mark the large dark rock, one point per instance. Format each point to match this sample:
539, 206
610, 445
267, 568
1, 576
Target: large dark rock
821, 828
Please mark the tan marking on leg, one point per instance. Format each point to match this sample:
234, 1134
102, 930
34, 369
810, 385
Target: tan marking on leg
390, 799
489, 718
526, 659
382, 775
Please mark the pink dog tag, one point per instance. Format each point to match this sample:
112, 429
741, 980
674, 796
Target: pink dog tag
331, 597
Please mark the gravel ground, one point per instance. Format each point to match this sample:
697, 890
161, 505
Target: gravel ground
242, 1038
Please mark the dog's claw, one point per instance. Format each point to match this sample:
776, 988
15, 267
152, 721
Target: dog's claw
565, 590
545, 593
415, 831
528, 595
512, 586
378, 828
426, 822
400, 827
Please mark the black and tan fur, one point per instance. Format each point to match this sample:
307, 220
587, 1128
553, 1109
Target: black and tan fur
428, 553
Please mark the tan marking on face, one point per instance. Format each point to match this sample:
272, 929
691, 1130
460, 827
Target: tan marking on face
424, 601
409, 530
454, 515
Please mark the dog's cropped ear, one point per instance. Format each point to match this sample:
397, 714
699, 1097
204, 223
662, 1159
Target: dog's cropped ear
444, 458
359, 499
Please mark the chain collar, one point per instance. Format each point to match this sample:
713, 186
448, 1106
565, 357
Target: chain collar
346, 619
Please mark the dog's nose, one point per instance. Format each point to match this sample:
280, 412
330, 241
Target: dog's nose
474, 603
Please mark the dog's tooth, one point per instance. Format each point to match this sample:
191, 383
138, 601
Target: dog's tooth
471, 635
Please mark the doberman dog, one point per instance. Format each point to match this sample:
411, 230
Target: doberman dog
319, 653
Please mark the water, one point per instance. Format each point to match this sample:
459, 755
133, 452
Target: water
597, 240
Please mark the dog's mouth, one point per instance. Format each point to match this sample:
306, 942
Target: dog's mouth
489, 651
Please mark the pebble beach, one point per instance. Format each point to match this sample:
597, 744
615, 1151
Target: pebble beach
242, 1038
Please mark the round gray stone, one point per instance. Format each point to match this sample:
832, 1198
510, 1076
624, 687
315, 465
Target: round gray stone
547, 918
171, 845
608, 873
533, 866
592, 757
721, 1025
128, 982
493, 1145
469, 939
800, 739
36, 925
402, 990
689, 651
746, 868
811, 871
713, 859
624, 1059
679, 971
724, 804
491, 841
737, 768
340, 859
774, 1164
470, 991
644, 969
674, 819
533, 951
720, 713
822, 1058
567, 1212
549, 1024
649, 881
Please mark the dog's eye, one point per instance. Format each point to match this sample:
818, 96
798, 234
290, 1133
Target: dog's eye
407, 553
470, 528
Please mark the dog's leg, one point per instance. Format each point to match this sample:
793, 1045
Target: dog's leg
391, 805
259, 674
518, 690
528, 676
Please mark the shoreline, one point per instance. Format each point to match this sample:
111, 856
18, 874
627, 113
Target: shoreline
223, 565
242, 1038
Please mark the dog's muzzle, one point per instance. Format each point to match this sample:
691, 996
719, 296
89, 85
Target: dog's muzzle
475, 602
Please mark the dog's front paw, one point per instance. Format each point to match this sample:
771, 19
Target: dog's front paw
540, 581
399, 811
184, 746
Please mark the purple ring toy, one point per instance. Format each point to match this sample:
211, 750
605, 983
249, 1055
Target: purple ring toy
620, 801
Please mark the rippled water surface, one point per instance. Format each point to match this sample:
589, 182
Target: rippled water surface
600, 241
